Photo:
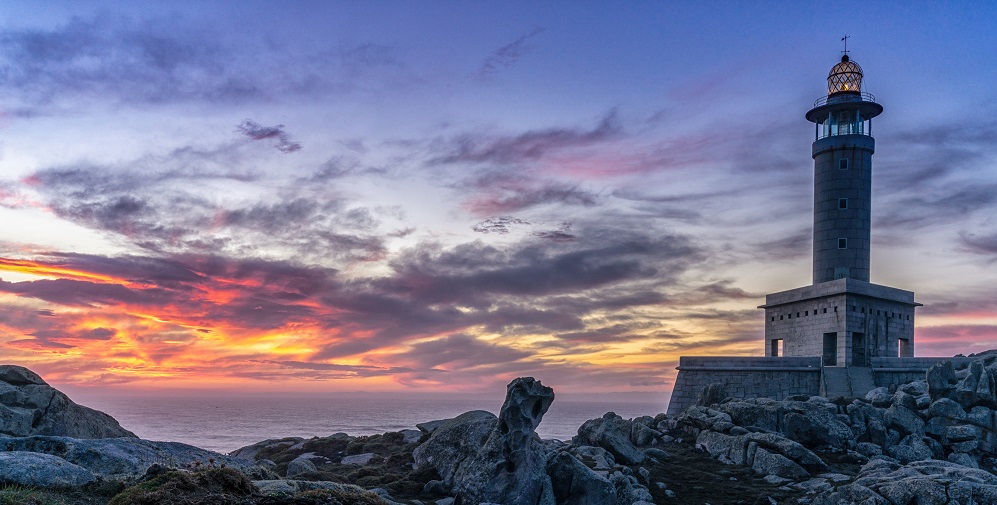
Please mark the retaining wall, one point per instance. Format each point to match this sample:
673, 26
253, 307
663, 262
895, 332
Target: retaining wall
747, 377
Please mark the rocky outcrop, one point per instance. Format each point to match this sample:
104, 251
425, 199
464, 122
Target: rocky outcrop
611, 432
122, 458
453, 442
29, 406
922, 482
511, 466
41, 470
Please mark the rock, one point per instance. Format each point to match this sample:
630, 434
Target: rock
511, 467
411, 436
431, 426
963, 459
249, 452
454, 441
911, 448
812, 423
573, 483
41, 470
628, 490
121, 458
711, 395
611, 432
642, 436
928, 482
916, 388
286, 488
29, 406
940, 378
869, 450
904, 420
745, 449
596, 458
767, 463
946, 408
435, 487
301, 465
358, 459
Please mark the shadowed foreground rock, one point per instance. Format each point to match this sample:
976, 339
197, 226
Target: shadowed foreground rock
511, 467
29, 406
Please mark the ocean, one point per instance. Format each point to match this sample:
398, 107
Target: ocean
226, 423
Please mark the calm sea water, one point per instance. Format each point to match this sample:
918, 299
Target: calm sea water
224, 424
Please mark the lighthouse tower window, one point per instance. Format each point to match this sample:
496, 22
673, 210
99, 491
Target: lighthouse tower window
843, 164
842, 243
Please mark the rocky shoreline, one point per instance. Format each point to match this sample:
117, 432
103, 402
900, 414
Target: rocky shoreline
931, 441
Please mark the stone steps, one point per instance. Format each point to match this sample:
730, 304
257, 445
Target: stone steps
850, 382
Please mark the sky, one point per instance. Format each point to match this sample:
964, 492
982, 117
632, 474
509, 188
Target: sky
442, 196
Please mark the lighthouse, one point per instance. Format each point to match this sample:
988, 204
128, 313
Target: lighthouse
842, 317
841, 336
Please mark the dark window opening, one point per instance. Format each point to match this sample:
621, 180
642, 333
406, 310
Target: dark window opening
773, 318
825, 310
863, 310
843, 164
842, 203
835, 308
806, 313
780, 318
842, 243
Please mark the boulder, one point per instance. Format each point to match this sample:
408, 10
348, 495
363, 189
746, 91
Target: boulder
711, 395
41, 470
358, 459
511, 467
611, 432
573, 483
940, 378
453, 442
903, 419
301, 465
118, 458
29, 406
250, 452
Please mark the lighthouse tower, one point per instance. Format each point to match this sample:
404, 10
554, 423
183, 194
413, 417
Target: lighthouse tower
842, 317
842, 153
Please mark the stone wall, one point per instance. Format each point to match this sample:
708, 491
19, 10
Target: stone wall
891, 372
747, 377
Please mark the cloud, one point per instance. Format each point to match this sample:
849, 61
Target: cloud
498, 225
507, 55
256, 131
983, 244
529, 146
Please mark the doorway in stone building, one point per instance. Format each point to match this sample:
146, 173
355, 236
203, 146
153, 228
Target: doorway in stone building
831, 349
859, 350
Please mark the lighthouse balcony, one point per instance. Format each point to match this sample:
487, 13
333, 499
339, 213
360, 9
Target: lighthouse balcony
844, 97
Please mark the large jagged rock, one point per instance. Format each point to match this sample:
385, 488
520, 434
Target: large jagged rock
29, 406
41, 470
453, 442
611, 432
511, 467
575, 484
117, 458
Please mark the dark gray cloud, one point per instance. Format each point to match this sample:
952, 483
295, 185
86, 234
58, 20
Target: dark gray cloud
984, 244
525, 147
498, 225
507, 55
281, 140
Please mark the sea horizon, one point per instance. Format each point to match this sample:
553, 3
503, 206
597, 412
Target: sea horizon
226, 422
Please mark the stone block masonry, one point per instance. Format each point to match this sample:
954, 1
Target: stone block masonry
748, 377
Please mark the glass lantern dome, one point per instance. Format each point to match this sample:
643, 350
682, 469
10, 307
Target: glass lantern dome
844, 77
